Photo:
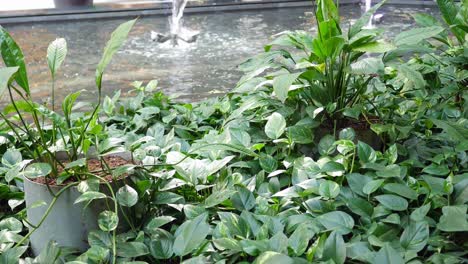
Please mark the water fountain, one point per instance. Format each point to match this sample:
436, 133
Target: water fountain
177, 31
374, 18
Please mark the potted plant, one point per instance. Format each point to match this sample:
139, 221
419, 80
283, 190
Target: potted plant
68, 152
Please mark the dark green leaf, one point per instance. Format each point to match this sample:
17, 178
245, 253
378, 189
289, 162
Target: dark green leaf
392, 202
334, 248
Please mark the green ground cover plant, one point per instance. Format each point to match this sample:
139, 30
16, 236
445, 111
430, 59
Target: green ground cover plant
276, 171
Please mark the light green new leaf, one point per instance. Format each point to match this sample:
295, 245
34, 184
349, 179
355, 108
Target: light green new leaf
335, 248
375, 47
89, 196
117, 39
127, 196
282, 83
275, 126
190, 235
56, 53
6, 75
416, 35
372, 186
392, 202
453, 219
299, 240
415, 236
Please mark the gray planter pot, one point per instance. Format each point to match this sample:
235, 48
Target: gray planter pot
67, 223
72, 3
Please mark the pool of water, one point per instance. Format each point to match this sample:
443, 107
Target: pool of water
195, 71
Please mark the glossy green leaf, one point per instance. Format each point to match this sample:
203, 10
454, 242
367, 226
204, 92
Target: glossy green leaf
415, 236
329, 189
392, 202
190, 235
416, 35
339, 221
131, 249
89, 196
275, 126
388, 255
108, 221
366, 153
127, 196
282, 83
372, 186
6, 75
334, 248
402, 190
270, 257
13, 57
36, 170
243, 199
299, 240
453, 219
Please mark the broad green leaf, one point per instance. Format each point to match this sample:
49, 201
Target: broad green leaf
161, 248
391, 154
275, 126
227, 243
12, 224
11, 157
434, 169
243, 199
420, 213
388, 255
13, 57
402, 190
56, 53
335, 248
268, 163
12, 255
190, 235
392, 202
367, 66
333, 169
282, 83
301, 134
357, 181
127, 196
453, 219
116, 40
359, 251
415, 77
270, 257
89, 196
50, 254
372, 186
415, 236
338, 221
416, 35
36, 170
326, 145
375, 47
6, 75
299, 240
366, 153
157, 222
131, 249
390, 171
360, 207
329, 189
108, 221
218, 197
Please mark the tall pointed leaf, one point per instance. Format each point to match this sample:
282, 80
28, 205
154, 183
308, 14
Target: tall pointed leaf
5, 77
13, 56
416, 35
117, 39
362, 21
56, 53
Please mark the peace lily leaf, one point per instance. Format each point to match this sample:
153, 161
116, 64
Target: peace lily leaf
89, 196
127, 196
335, 248
415, 236
36, 170
13, 57
190, 235
453, 219
416, 35
108, 221
388, 255
282, 83
5, 77
275, 126
117, 39
392, 202
56, 53
337, 220
329, 189
375, 47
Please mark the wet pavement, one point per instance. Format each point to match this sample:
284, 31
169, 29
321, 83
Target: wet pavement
198, 70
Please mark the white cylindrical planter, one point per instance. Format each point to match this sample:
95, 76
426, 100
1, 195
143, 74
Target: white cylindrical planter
67, 223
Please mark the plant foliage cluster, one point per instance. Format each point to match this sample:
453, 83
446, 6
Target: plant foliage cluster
280, 170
